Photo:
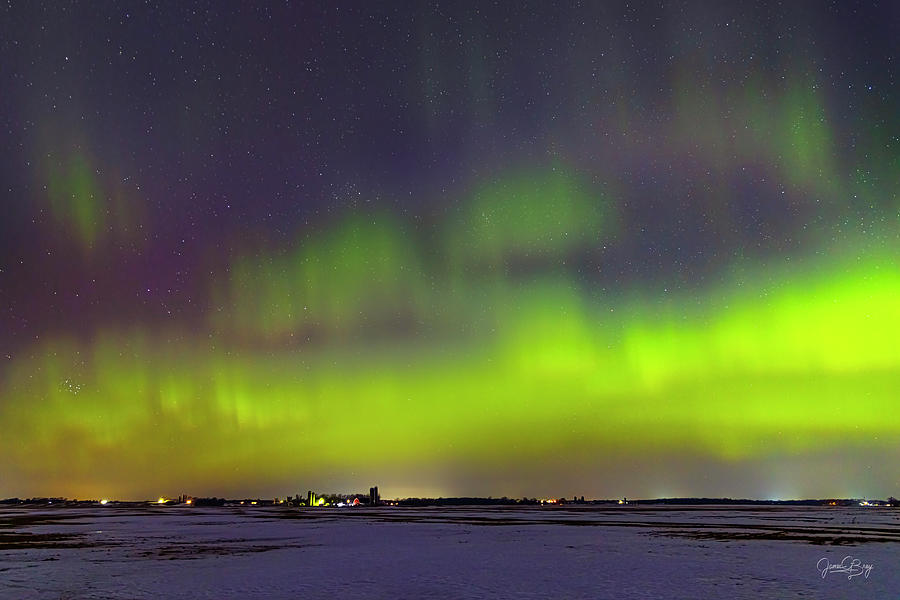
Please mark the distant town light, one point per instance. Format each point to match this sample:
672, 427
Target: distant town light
104, 501
161, 500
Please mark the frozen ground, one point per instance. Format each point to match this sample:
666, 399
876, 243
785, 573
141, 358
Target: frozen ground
581, 552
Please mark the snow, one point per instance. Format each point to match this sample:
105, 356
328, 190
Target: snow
567, 552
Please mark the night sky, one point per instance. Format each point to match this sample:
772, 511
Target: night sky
534, 248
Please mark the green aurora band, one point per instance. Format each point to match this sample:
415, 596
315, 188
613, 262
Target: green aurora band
364, 350
87, 205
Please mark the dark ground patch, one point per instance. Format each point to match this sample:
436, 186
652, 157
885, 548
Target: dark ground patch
196, 551
817, 536
20, 541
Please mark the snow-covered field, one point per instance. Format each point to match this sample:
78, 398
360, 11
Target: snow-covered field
559, 552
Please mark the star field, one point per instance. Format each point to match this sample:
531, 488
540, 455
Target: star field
612, 249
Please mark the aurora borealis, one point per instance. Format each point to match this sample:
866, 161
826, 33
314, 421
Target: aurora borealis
604, 249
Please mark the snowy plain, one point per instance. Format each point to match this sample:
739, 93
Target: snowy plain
394, 552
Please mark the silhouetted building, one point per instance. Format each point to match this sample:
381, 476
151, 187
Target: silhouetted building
374, 498
311, 498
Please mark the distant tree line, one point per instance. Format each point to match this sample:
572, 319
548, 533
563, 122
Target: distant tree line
467, 501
